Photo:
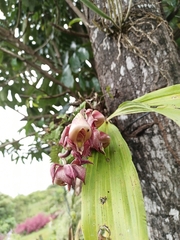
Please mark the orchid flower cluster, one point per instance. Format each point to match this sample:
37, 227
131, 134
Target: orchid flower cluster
78, 139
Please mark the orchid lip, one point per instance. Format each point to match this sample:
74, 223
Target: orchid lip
79, 128
81, 135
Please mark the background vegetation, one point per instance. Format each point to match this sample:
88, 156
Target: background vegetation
62, 209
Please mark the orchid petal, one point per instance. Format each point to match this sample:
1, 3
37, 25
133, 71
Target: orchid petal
79, 131
94, 118
80, 172
69, 171
81, 162
64, 135
99, 118
64, 154
104, 139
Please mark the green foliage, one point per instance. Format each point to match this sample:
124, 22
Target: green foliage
53, 134
53, 201
165, 101
98, 11
45, 233
7, 210
112, 201
172, 14
41, 201
42, 66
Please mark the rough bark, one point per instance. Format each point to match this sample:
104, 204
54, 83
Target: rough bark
144, 58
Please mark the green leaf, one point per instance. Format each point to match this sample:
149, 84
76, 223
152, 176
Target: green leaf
54, 153
165, 101
16, 64
112, 201
83, 54
170, 112
1, 56
31, 4
3, 96
75, 20
26, 30
98, 11
82, 83
130, 107
74, 63
29, 128
67, 77
3, 8
96, 84
164, 96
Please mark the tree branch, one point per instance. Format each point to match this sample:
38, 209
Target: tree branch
45, 74
35, 66
84, 35
45, 97
11, 53
27, 118
9, 37
16, 141
44, 44
57, 52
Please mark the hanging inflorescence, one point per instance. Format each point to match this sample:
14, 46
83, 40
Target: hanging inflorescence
78, 139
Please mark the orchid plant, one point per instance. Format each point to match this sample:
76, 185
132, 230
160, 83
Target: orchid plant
112, 200
79, 138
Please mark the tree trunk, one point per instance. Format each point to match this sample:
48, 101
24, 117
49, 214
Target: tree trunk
140, 59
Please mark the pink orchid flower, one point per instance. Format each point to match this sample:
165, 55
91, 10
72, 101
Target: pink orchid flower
78, 138
66, 174
76, 134
79, 131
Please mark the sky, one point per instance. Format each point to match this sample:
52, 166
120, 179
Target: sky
20, 178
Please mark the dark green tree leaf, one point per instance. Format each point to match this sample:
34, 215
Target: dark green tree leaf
67, 77
75, 63
83, 54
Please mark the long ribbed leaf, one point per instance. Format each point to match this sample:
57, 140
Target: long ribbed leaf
131, 107
112, 201
98, 11
165, 101
162, 97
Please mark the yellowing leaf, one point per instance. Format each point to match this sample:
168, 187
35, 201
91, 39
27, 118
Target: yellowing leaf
112, 201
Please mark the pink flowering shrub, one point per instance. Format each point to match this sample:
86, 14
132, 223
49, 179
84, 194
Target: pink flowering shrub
2, 236
32, 224
78, 139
